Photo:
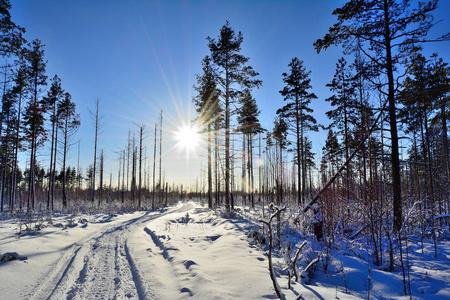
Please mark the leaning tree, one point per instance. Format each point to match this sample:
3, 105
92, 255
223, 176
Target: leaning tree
387, 32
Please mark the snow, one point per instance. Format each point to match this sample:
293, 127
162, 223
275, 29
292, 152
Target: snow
190, 251
194, 253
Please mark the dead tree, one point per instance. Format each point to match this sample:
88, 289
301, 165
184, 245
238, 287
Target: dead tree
96, 120
154, 165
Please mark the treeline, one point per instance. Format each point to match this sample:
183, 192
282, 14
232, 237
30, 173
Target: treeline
385, 163
29, 118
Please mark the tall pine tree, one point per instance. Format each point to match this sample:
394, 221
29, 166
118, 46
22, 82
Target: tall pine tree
249, 126
344, 105
34, 118
51, 101
298, 114
234, 73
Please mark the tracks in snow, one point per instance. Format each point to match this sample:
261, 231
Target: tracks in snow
99, 267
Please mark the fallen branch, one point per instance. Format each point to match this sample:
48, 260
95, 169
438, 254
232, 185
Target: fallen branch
360, 146
294, 263
304, 274
276, 286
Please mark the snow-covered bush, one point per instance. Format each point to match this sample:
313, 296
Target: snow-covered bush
29, 221
256, 236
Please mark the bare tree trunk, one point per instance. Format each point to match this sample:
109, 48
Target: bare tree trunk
299, 154
210, 205
78, 170
133, 170
251, 171
123, 175
160, 159
259, 167
128, 161
100, 196
227, 142
3, 171
16, 154
64, 191
396, 182
281, 172
141, 129
110, 185
51, 177
244, 187
96, 120
446, 152
154, 168
118, 176
216, 166
55, 153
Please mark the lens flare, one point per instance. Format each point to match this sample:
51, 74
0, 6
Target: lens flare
247, 185
187, 137
259, 162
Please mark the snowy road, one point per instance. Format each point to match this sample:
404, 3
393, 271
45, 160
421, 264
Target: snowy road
99, 267
182, 252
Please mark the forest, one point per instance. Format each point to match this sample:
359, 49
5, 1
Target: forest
383, 176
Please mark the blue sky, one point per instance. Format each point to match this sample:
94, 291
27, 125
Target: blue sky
141, 57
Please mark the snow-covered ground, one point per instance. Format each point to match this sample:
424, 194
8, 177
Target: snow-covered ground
189, 251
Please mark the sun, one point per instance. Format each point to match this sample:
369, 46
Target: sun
187, 137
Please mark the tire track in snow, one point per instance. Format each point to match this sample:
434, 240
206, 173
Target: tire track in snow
135, 274
99, 267
58, 274
96, 279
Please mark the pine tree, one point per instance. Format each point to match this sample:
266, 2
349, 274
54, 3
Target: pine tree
298, 113
234, 72
11, 39
330, 156
249, 125
19, 90
344, 103
54, 95
418, 106
387, 32
423, 97
34, 129
440, 90
8, 114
